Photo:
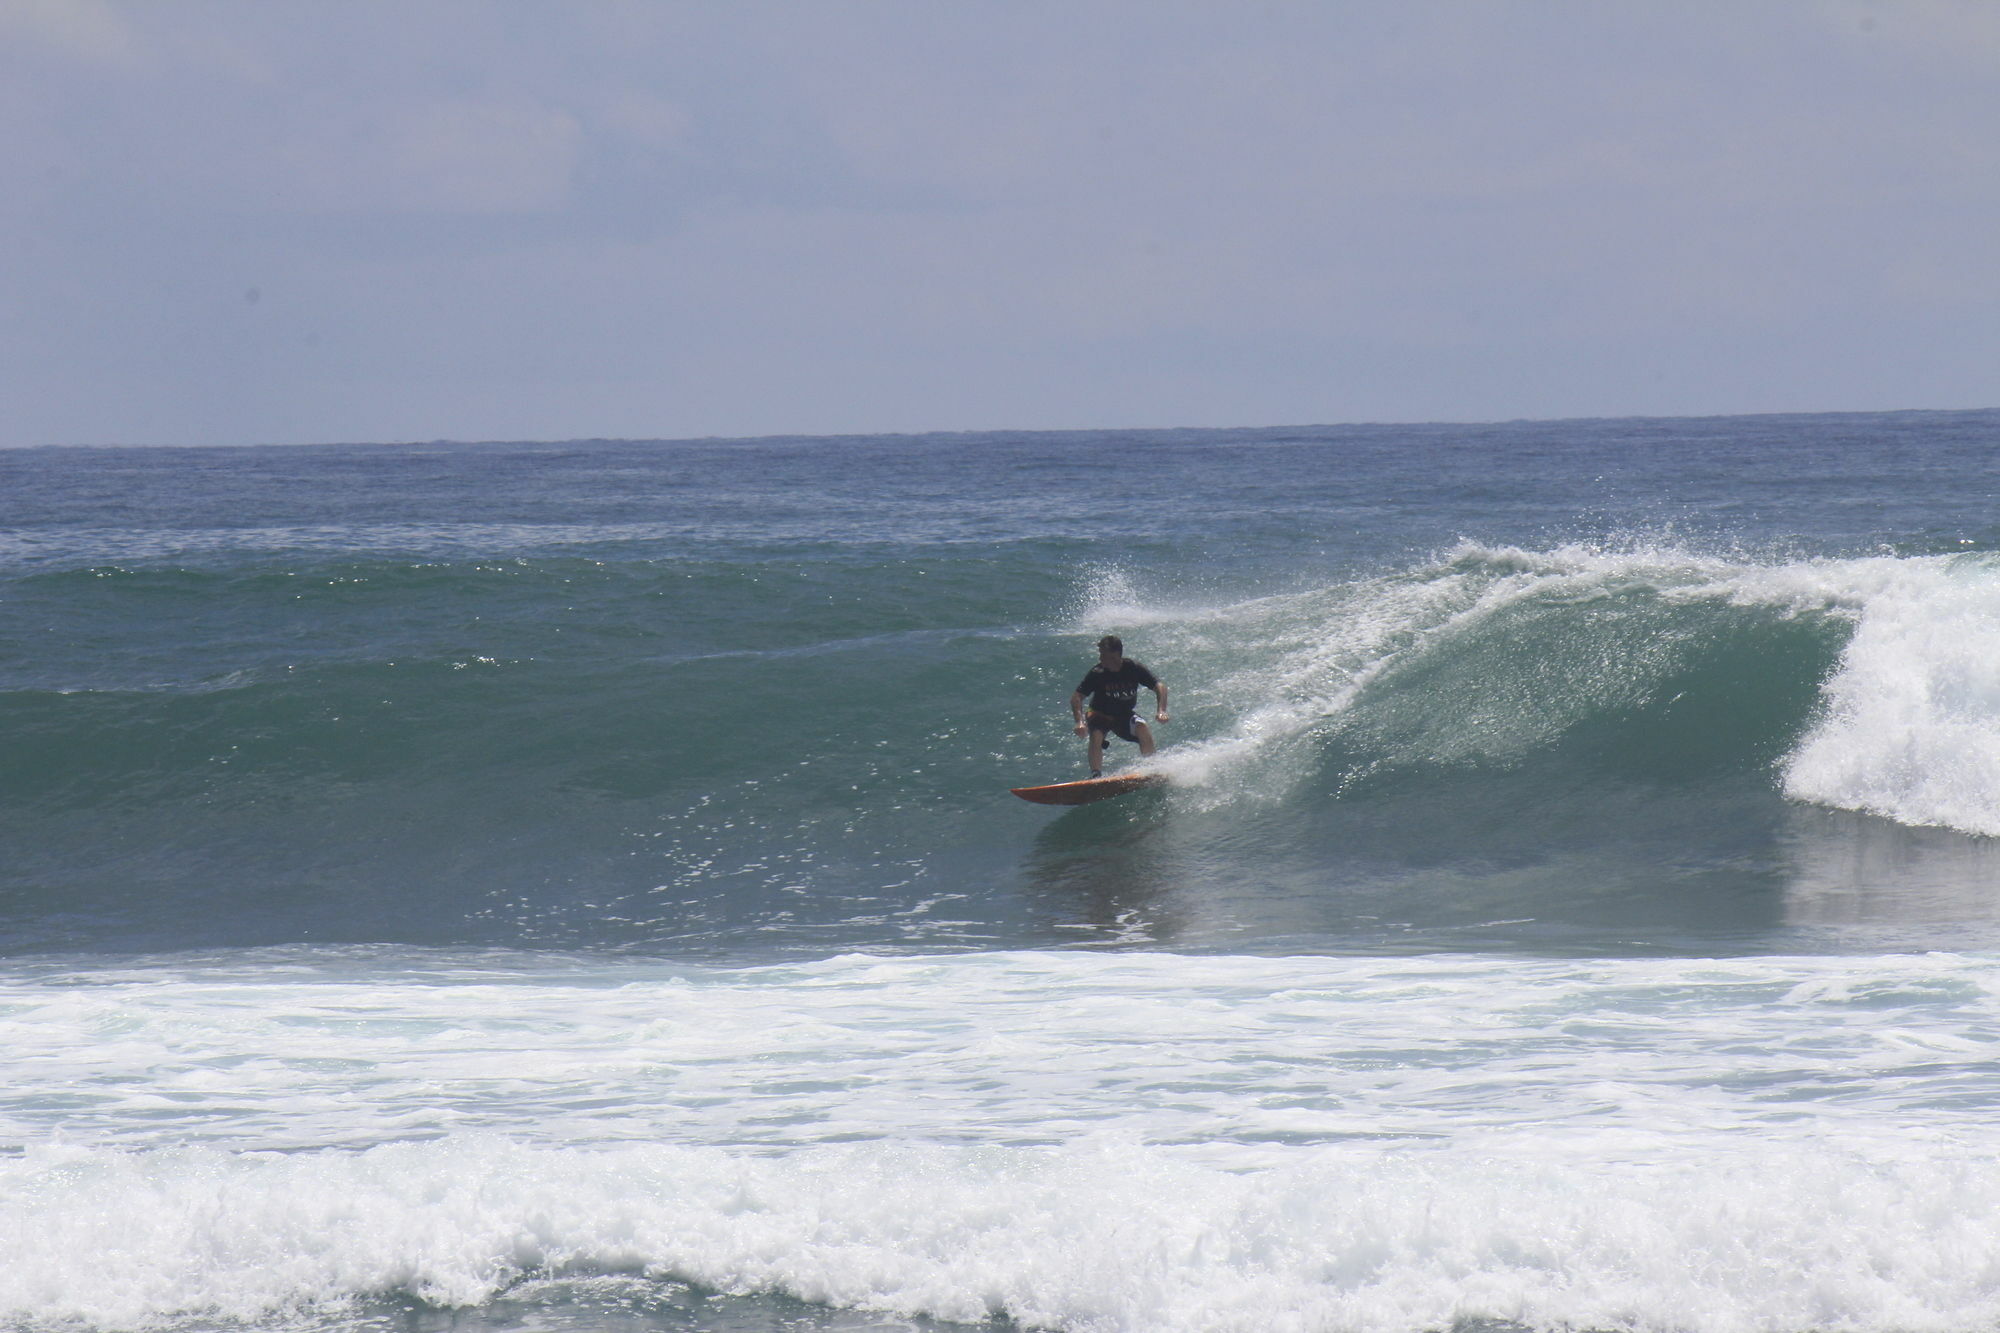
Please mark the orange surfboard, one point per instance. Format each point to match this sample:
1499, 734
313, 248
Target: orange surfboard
1089, 789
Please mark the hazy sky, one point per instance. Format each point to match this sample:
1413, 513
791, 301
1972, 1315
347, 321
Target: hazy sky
338, 220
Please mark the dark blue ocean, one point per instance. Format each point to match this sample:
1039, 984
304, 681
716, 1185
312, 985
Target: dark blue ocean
576, 887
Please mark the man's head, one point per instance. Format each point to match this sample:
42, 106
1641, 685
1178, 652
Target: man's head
1111, 650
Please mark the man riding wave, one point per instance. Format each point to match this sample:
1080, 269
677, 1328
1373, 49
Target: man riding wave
1112, 687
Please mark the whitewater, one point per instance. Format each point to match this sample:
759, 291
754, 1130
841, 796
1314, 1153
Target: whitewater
1079, 1141
575, 886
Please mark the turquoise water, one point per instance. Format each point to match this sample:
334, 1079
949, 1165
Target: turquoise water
576, 886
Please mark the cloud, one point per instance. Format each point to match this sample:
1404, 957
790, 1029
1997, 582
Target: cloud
1964, 33
87, 30
464, 157
646, 119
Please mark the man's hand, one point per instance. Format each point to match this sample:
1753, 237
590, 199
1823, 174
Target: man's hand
1160, 716
1082, 730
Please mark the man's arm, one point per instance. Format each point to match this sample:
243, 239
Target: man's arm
1160, 689
1076, 711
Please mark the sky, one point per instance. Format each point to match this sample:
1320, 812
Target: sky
288, 221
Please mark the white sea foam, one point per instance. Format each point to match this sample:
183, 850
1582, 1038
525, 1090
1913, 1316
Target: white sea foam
1092, 1237
1912, 723
1079, 1141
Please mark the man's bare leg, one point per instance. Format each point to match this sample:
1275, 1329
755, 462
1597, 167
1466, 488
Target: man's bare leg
1096, 752
1145, 738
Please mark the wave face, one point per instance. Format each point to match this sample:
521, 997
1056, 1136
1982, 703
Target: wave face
728, 699
1867, 684
505, 752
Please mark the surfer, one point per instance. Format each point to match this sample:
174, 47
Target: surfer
1113, 689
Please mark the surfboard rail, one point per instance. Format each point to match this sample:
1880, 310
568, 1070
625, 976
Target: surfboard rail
1086, 790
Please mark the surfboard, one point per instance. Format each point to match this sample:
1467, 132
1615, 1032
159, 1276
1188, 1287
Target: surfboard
1085, 791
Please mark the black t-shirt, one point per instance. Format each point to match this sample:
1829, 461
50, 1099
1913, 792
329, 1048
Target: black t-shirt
1117, 692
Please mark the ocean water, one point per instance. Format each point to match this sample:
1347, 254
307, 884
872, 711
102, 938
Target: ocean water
575, 887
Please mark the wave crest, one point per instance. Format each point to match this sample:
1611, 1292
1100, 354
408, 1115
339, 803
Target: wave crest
1866, 684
